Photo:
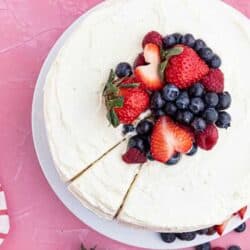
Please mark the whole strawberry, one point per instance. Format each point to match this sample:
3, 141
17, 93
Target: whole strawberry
185, 69
214, 81
125, 100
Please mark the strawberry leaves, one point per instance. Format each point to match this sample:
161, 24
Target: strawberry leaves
166, 55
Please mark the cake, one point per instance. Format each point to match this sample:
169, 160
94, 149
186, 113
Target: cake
91, 156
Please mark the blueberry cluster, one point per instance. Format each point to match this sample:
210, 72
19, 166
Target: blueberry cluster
188, 236
198, 45
193, 106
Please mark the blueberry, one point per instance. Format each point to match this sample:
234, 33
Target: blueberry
137, 142
187, 117
174, 160
203, 231
188, 40
178, 37
169, 41
199, 44
144, 127
215, 62
127, 128
168, 237
197, 90
199, 124
211, 99
210, 115
206, 246
224, 101
158, 113
196, 105
123, 69
183, 100
234, 248
193, 150
150, 157
170, 108
179, 116
206, 54
241, 228
170, 92
187, 236
157, 101
211, 231
224, 120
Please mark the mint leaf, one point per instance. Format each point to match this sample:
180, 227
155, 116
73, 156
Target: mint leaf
113, 118
111, 76
177, 50
129, 85
117, 102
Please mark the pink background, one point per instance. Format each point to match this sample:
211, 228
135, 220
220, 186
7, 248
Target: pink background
28, 29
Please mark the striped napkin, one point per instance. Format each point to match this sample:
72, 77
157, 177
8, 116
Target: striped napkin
4, 218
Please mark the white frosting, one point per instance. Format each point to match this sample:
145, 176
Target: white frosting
198, 192
103, 187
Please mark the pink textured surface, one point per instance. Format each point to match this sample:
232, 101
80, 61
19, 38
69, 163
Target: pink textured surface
29, 28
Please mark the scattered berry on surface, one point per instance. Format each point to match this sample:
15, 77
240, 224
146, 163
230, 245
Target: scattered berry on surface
208, 138
123, 69
224, 120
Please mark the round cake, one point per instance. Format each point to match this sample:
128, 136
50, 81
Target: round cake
107, 170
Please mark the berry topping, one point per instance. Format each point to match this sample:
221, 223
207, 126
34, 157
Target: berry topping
153, 37
241, 228
157, 102
187, 236
188, 40
211, 99
158, 113
139, 61
199, 44
187, 117
206, 54
137, 142
183, 100
197, 105
242, 212
234, 248
170, 92
203, 231
123, 69
210, 115
224, 120
148, 74
178, 37
215, 62
168, 138
214, 81
199, 124
168, 237
221, 228
144, 127
133, 156
128, 128
169, 41
185, 69
206, 246
193, 151
208, 138
170, 108
224, 101
174, 159
197, 90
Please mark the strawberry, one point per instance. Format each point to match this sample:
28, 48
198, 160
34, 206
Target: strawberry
168, 138
139, 61
242, 212
214, 81
208, 138
185, 69
148, 74
134, 155
152, 37
125, 100
221, 228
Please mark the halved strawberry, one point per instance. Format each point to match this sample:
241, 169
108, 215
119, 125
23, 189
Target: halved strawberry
148, 74
242, 212
221, 228
168, 138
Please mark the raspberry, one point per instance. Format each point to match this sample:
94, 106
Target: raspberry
214, 81
139, 61
208, 138
134, 155
152, 37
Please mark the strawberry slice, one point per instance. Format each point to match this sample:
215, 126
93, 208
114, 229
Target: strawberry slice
168, 138
148, 74
221, 228
242, 212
